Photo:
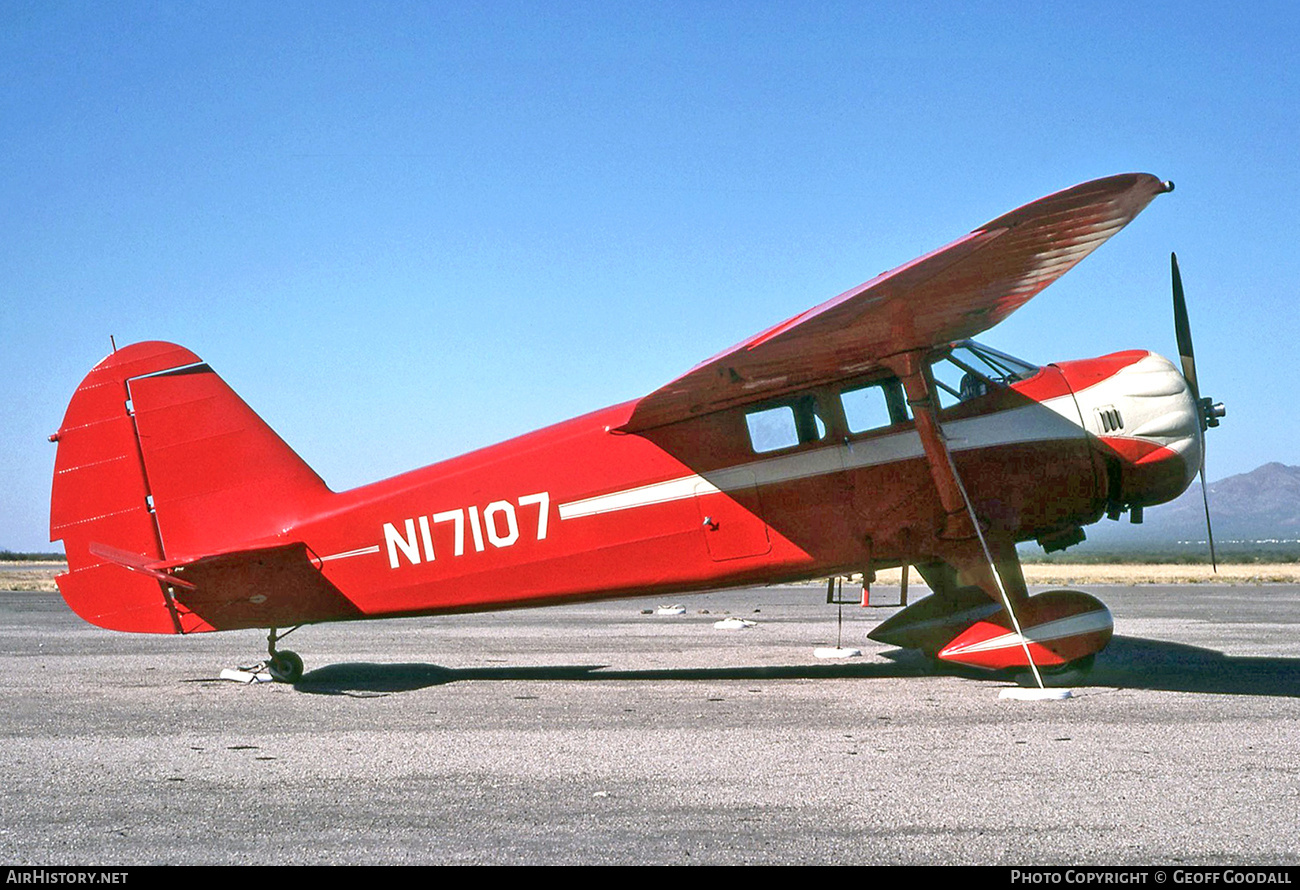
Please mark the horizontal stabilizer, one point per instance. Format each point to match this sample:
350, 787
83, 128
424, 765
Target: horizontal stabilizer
277, 586
136, 563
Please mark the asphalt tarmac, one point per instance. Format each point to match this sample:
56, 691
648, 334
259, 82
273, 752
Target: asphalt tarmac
598, 734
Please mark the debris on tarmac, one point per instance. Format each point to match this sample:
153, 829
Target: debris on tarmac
734, 624
245, 676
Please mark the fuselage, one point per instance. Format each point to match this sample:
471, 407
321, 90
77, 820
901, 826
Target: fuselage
798, 487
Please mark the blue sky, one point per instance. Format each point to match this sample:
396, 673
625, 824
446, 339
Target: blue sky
404, 230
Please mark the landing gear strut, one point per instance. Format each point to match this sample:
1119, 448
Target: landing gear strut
286, 666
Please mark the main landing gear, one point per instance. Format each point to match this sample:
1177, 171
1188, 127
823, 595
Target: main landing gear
1063, 629
286, 666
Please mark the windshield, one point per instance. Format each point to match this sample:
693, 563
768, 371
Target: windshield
969, 370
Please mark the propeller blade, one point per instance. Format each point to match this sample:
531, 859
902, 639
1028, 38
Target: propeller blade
1209, 531
1208, 413
1183, 330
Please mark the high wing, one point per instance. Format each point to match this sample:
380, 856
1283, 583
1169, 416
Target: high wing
951, 294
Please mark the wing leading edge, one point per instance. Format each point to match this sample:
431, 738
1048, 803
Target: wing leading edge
953, 293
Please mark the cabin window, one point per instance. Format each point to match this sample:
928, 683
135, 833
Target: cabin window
795, 422
875, 406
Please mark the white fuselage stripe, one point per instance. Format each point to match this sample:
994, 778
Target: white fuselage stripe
360, 551
1050, 420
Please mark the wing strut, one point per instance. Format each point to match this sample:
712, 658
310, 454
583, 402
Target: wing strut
961, 524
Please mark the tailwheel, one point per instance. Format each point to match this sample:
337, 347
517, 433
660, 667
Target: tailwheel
286, 666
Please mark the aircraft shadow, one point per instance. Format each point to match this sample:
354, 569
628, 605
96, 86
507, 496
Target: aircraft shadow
1127, 663
1138, 663
1159, 665
343, 679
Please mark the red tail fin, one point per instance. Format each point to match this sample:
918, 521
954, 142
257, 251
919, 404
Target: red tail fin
158, 457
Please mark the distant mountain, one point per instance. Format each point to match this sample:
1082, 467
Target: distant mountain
1262, 505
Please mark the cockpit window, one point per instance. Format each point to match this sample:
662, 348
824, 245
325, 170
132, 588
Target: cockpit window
997, 366
970, 370
795, 422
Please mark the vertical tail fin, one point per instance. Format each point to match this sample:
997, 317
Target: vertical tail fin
159, 458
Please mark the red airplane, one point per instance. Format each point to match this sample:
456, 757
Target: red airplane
864, 433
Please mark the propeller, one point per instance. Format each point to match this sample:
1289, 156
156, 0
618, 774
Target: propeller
1207, 409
